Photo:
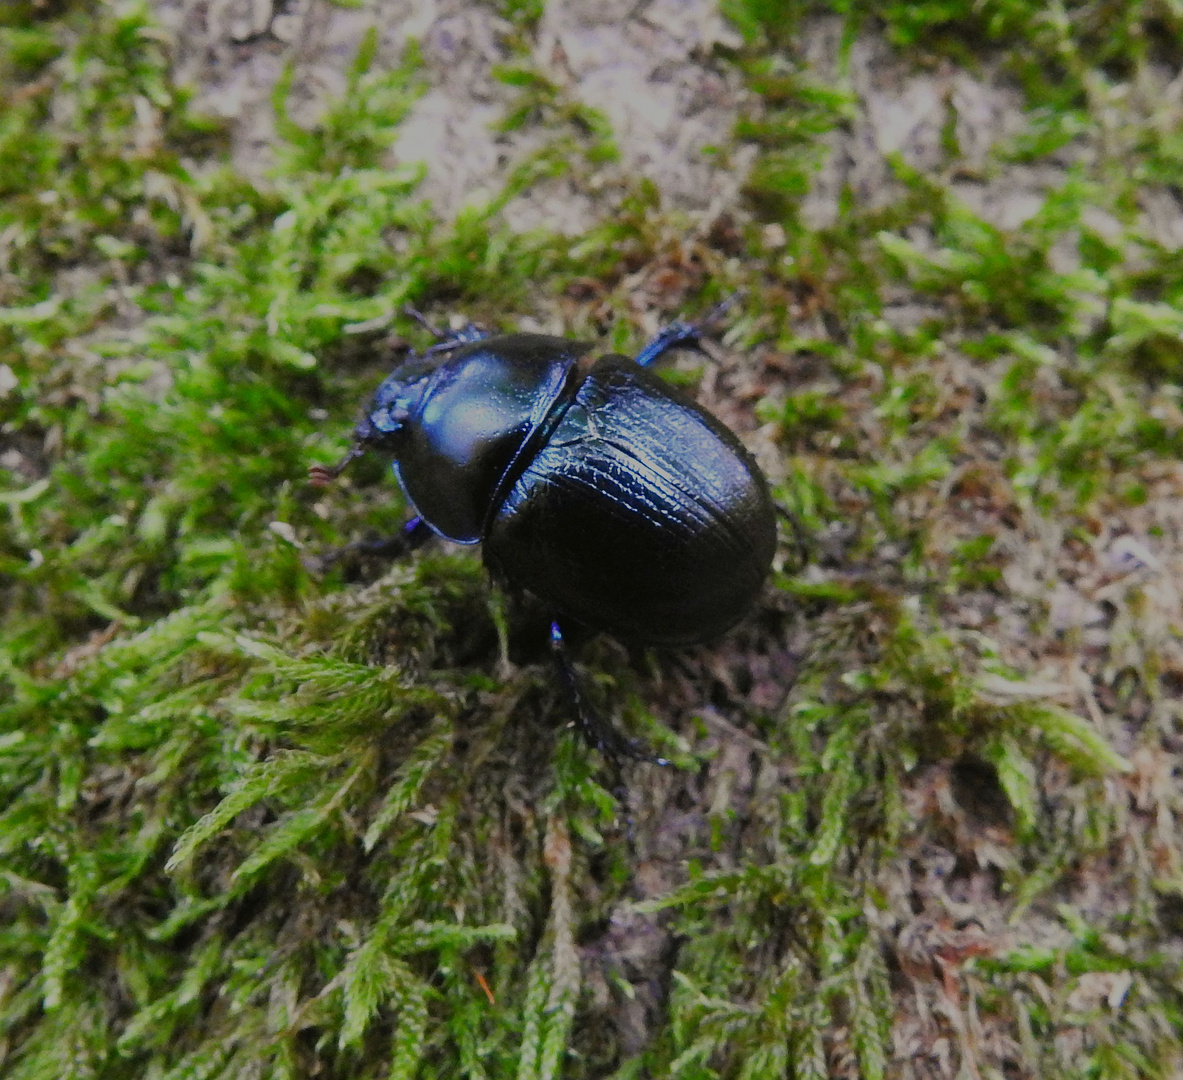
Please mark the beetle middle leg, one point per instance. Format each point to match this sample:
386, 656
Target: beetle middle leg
597, 732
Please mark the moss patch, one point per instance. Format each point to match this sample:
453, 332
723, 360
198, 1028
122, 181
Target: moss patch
923, 817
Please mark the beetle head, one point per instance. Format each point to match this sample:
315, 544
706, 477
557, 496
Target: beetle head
393, 403
389, 409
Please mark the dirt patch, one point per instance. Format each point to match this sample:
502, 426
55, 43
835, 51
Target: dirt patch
650, 68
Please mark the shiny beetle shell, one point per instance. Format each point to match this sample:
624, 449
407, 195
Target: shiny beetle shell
604, 491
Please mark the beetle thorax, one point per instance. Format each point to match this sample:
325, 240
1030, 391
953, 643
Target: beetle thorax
458, 429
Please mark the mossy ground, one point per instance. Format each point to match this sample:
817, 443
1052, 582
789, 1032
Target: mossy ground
924, 813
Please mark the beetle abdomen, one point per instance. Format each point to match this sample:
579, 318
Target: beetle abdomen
642, 514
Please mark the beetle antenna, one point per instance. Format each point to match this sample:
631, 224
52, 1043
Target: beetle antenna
323, 475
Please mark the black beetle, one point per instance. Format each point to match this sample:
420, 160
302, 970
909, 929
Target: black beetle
607, 493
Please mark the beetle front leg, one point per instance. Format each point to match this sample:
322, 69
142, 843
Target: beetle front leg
597, 732
414, 534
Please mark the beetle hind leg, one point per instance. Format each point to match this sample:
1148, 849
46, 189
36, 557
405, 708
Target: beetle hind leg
598, 733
